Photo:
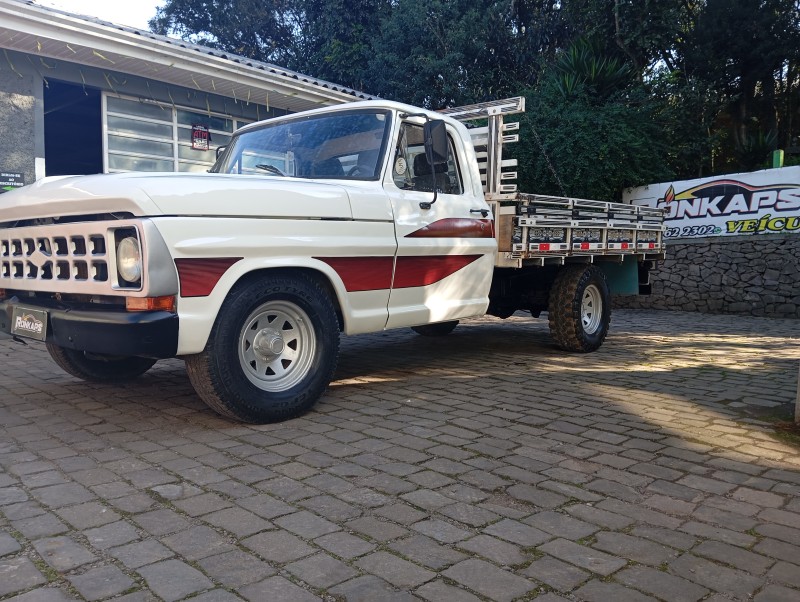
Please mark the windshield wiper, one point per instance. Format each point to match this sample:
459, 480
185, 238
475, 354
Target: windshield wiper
270, 169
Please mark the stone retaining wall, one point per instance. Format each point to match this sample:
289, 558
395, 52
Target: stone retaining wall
757, 275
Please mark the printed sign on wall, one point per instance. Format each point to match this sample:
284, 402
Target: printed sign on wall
762, 202
9, 180
201, 137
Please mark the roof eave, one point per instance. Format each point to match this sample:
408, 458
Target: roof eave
53, 34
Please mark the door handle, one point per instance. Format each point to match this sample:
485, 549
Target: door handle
483, 212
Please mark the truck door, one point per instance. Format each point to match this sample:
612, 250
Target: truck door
445, 250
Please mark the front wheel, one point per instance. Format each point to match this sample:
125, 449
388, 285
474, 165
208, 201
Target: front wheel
98, 368
579, 309
272, 350
439, 329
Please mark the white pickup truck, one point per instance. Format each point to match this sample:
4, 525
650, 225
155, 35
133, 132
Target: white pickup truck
354, 219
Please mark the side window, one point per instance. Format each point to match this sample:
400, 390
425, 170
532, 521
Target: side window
411, 170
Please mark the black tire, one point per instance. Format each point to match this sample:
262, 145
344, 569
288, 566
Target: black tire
99, 368
579, 310
272, 350
439, 329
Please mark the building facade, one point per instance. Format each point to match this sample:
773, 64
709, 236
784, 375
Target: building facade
83, 96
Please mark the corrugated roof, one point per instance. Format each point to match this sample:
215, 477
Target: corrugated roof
52, 33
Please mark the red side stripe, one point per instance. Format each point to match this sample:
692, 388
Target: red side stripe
198, 277
422, 271
362, 273
375, 273
456, 227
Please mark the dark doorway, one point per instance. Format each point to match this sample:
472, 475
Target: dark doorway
73, 129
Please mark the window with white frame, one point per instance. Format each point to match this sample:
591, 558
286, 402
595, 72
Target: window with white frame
150, 136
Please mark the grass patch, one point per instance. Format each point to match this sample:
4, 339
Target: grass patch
787, 432
782, 421
45, 569
532, 553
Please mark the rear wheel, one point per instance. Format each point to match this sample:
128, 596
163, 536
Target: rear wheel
271, 352
96, 367
435, 330
579, 309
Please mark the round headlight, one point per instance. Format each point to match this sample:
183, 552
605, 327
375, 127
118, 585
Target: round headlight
129, 259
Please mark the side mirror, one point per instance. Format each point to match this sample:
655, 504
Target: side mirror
220, 150
435, 135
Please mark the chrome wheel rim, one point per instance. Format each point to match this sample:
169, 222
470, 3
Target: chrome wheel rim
277, 346
591, 309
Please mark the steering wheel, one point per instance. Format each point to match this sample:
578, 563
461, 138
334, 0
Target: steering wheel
360, 170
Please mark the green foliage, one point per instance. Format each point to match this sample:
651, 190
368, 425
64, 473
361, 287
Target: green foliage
582, 68
257, 29
438, 53
630, 91
687, 110
598, 149
334, 38
744, 50
754, 151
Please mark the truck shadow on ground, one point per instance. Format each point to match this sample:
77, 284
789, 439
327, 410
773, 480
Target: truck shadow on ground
514, 364
649, 361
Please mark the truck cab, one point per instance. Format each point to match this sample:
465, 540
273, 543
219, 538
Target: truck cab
376, 152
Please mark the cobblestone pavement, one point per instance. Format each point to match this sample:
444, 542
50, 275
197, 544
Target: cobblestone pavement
485, 465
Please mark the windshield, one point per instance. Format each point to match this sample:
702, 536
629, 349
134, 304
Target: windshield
340, 145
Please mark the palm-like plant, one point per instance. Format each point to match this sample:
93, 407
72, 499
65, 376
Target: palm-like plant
583, 67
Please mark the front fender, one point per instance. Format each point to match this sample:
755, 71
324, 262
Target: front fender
260, 245
198, 314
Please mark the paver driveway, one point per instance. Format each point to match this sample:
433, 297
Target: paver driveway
485, 465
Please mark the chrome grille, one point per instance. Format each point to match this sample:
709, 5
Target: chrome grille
73, 258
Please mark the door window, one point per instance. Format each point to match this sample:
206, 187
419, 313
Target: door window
411, 170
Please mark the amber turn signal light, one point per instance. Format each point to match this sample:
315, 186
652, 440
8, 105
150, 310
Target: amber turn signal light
150, 303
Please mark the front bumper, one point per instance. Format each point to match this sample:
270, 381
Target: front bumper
151, 334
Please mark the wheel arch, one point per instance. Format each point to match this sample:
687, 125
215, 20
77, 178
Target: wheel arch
316, 274
198, 314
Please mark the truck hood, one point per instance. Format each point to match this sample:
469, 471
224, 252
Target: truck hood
148, 194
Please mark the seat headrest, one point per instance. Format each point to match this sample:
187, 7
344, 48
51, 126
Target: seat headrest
328, 167
423, 168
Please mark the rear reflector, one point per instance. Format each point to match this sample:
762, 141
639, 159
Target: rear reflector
2, 293
150, 304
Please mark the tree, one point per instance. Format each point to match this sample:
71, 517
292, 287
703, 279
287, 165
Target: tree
438, 53
258, 29
334, 38
720, 77
689, 110
591, 127
742, 48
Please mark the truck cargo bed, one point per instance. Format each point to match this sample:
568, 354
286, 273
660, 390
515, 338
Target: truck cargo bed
531, 226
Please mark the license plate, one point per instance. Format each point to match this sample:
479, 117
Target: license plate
30, 323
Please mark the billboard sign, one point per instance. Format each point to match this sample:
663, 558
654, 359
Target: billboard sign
761, 202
